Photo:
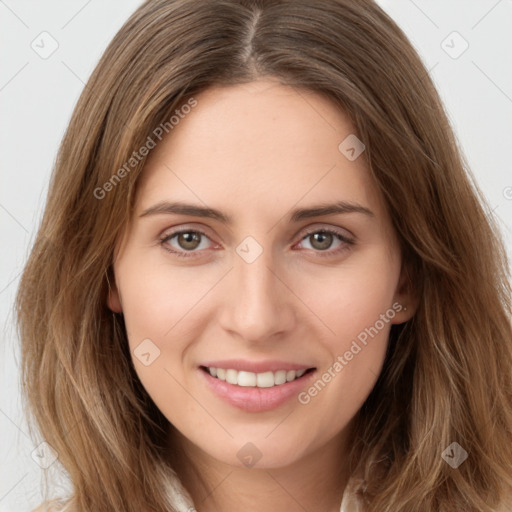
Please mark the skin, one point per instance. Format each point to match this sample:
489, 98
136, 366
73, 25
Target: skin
256, 151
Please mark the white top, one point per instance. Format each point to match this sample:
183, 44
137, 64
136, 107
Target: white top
181, 500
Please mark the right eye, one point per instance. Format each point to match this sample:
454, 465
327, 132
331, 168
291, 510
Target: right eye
185, 241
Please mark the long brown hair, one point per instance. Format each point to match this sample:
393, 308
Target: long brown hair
447, 374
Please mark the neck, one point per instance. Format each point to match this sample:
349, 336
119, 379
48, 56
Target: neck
314, 482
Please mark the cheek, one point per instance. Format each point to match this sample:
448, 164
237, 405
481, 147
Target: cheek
351, 297
158, 308
160, 301
357, 353
354, 306
164, 313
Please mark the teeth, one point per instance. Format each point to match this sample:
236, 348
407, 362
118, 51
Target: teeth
280, 377
232, 376
246, 379
265, 380
260, 380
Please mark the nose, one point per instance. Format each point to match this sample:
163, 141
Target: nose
258, 304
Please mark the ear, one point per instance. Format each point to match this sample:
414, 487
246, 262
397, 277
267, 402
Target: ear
405, 300
113, 297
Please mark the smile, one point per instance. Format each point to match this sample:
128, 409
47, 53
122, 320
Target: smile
251, 379
256, 391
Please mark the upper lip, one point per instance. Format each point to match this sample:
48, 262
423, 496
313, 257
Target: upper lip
256, 366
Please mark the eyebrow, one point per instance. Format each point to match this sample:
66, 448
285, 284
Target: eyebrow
180, 208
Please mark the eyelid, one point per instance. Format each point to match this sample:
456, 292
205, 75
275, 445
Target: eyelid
310, 229
343, 232
180, 228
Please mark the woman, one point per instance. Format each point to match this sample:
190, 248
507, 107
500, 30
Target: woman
264, 279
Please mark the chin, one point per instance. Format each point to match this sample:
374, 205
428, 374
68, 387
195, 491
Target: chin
258, 454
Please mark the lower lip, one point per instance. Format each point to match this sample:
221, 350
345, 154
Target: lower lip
253, 399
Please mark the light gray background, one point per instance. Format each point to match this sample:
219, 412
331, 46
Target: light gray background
37, 97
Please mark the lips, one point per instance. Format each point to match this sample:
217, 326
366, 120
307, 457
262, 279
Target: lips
256, 386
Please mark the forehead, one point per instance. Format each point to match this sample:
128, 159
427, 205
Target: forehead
262, 145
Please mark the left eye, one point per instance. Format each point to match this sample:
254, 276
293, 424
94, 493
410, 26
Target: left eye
321, 241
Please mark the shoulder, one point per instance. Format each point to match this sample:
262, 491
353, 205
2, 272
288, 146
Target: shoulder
52, 506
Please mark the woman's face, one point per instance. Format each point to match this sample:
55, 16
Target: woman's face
296, 320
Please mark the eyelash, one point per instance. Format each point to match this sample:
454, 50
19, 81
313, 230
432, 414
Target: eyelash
347, 243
